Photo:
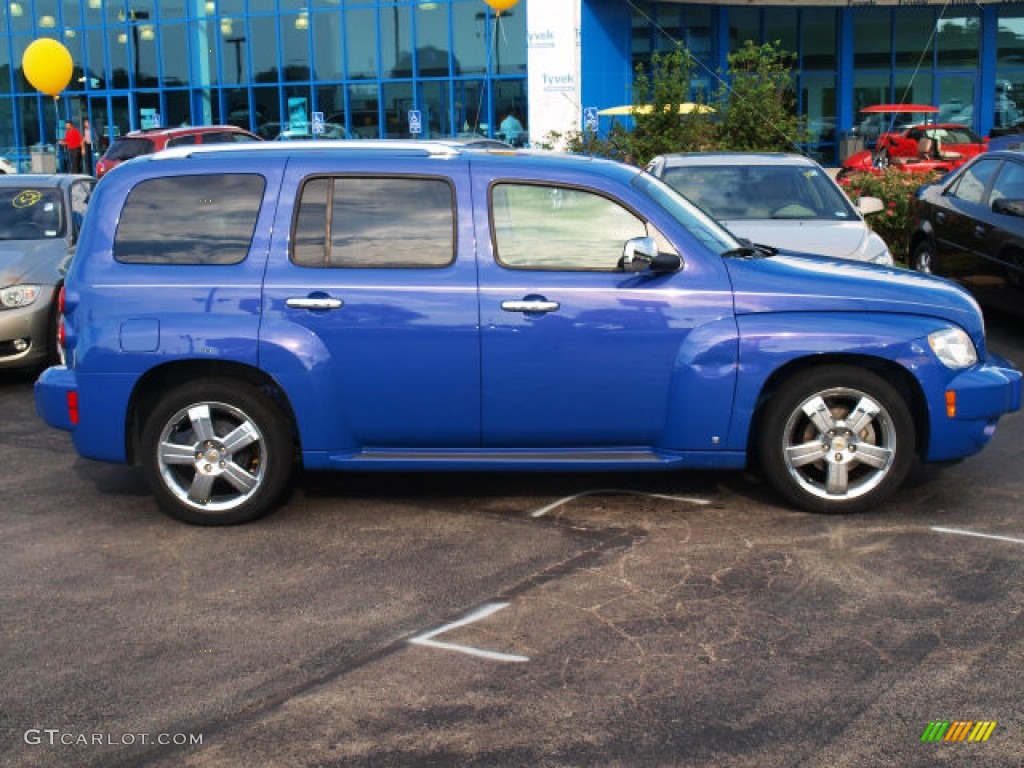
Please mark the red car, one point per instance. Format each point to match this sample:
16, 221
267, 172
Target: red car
153, 140
922, 147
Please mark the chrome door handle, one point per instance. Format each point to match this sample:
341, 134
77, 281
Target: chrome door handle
530, 305
320, 302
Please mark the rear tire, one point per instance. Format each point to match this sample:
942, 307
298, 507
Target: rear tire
216, 452
837, 440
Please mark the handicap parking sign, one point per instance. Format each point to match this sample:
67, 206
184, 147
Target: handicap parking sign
415, 121
318, 123
590, 118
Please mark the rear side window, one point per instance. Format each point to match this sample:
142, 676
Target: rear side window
189, 220
126, 149
375, 222
181, 141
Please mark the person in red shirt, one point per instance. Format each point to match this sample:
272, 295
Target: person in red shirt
72, 141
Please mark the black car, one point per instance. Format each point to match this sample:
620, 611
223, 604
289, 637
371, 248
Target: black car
969, 226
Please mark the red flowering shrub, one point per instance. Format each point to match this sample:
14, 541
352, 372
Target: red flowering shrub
895, 189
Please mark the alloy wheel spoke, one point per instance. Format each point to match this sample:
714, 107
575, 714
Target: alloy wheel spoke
873, 455
240, 480
176, 453
805, 453
240, 437
819, 414
202, 423
838, 479
862, 415
199, 492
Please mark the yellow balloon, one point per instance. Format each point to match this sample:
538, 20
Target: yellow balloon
47, 65
501, 5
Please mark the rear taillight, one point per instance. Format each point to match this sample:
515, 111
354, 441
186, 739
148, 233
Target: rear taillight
73, 406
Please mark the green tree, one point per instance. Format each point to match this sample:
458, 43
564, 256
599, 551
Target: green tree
665, 119
756, 102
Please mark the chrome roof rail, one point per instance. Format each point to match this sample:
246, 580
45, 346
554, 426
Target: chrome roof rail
426, 147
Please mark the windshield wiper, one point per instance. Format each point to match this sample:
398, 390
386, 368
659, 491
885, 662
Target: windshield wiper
749, 250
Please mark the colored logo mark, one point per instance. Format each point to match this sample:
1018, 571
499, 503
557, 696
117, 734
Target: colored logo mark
27, 198
958, 730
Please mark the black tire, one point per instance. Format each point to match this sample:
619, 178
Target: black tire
836, 440
54, 351
923, 258
201, 477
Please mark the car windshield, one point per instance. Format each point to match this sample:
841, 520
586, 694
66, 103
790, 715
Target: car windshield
756, 192
695, 221
31, 213
126, 149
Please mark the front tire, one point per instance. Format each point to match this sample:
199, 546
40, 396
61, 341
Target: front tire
216, 452
837, 440
923, 258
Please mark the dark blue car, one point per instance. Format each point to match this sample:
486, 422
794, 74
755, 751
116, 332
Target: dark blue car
235, 312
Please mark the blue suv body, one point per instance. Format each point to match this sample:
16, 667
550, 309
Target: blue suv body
233, 312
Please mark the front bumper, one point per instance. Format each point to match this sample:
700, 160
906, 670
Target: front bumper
980, 397
29, 324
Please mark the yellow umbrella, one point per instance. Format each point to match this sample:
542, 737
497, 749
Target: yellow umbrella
645, 109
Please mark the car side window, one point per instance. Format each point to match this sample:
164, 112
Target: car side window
207, 219
540, 226
375, 222
180, 141
972, 183
1009, 183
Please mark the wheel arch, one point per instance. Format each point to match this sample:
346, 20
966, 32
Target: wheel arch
157, 380
894, 373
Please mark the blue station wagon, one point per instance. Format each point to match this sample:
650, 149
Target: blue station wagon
235, 312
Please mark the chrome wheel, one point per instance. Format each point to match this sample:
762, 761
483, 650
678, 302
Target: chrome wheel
836, 439
217, 452
839, 444
212, 457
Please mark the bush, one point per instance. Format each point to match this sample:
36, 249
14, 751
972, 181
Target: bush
895, 189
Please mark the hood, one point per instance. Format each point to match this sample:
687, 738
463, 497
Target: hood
31, 261
796, 283
841, 239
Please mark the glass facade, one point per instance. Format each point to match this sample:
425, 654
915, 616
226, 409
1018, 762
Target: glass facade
264, 65
365, 64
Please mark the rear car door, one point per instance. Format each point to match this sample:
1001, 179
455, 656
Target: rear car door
370, 315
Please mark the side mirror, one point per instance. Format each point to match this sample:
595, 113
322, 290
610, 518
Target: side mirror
638, 254
641, 254
1009, 206
869, 205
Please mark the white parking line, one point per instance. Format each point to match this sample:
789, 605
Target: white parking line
940, 529
544, 510
487, 610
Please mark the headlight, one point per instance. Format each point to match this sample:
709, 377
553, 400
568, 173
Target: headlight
14, 296
953, 347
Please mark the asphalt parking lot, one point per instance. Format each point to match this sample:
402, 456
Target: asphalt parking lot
508, 620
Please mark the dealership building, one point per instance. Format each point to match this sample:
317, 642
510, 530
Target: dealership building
409, 68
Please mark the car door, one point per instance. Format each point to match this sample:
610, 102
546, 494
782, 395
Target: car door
1001, 239
958, 221
369, 308
576, 352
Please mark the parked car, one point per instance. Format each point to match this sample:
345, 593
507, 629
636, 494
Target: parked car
919, 148
152, 140
970, 227
782, 200
40, 217
379, 305
330, 131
